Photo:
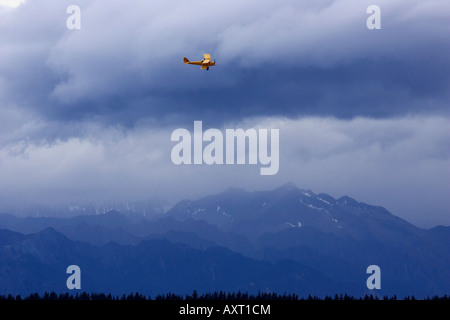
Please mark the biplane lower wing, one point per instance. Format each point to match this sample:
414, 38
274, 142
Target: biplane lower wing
186, 61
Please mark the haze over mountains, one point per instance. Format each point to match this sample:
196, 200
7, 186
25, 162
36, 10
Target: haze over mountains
284, 240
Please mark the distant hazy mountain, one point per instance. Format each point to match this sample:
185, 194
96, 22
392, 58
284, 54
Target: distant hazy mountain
284, 240
147, 208
254, 213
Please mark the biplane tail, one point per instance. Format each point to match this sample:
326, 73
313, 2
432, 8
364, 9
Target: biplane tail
186, 60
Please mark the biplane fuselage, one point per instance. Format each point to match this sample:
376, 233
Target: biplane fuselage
204, 63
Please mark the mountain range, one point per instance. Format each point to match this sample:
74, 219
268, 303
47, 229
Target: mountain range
283, 240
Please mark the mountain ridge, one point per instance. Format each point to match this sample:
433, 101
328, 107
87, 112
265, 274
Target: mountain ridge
284, 233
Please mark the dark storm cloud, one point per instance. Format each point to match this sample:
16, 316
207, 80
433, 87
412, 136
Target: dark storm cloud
273, 58
364, 88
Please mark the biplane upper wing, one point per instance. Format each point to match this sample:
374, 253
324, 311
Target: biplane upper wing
207, 57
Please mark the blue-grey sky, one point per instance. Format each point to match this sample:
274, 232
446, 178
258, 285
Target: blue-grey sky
87, 114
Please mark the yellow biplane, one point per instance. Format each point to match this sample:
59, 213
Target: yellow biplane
205, 63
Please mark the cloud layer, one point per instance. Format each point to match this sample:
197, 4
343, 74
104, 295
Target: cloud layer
284, 58
87, 114
401, 164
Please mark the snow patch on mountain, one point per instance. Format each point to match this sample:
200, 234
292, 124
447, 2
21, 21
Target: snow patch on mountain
320, 199
299, 224
313, 207
195, 211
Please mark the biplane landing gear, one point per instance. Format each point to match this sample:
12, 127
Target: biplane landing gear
207, 68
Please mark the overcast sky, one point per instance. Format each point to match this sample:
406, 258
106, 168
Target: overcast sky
87, 114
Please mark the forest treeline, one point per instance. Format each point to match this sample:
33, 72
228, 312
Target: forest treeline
218, 296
